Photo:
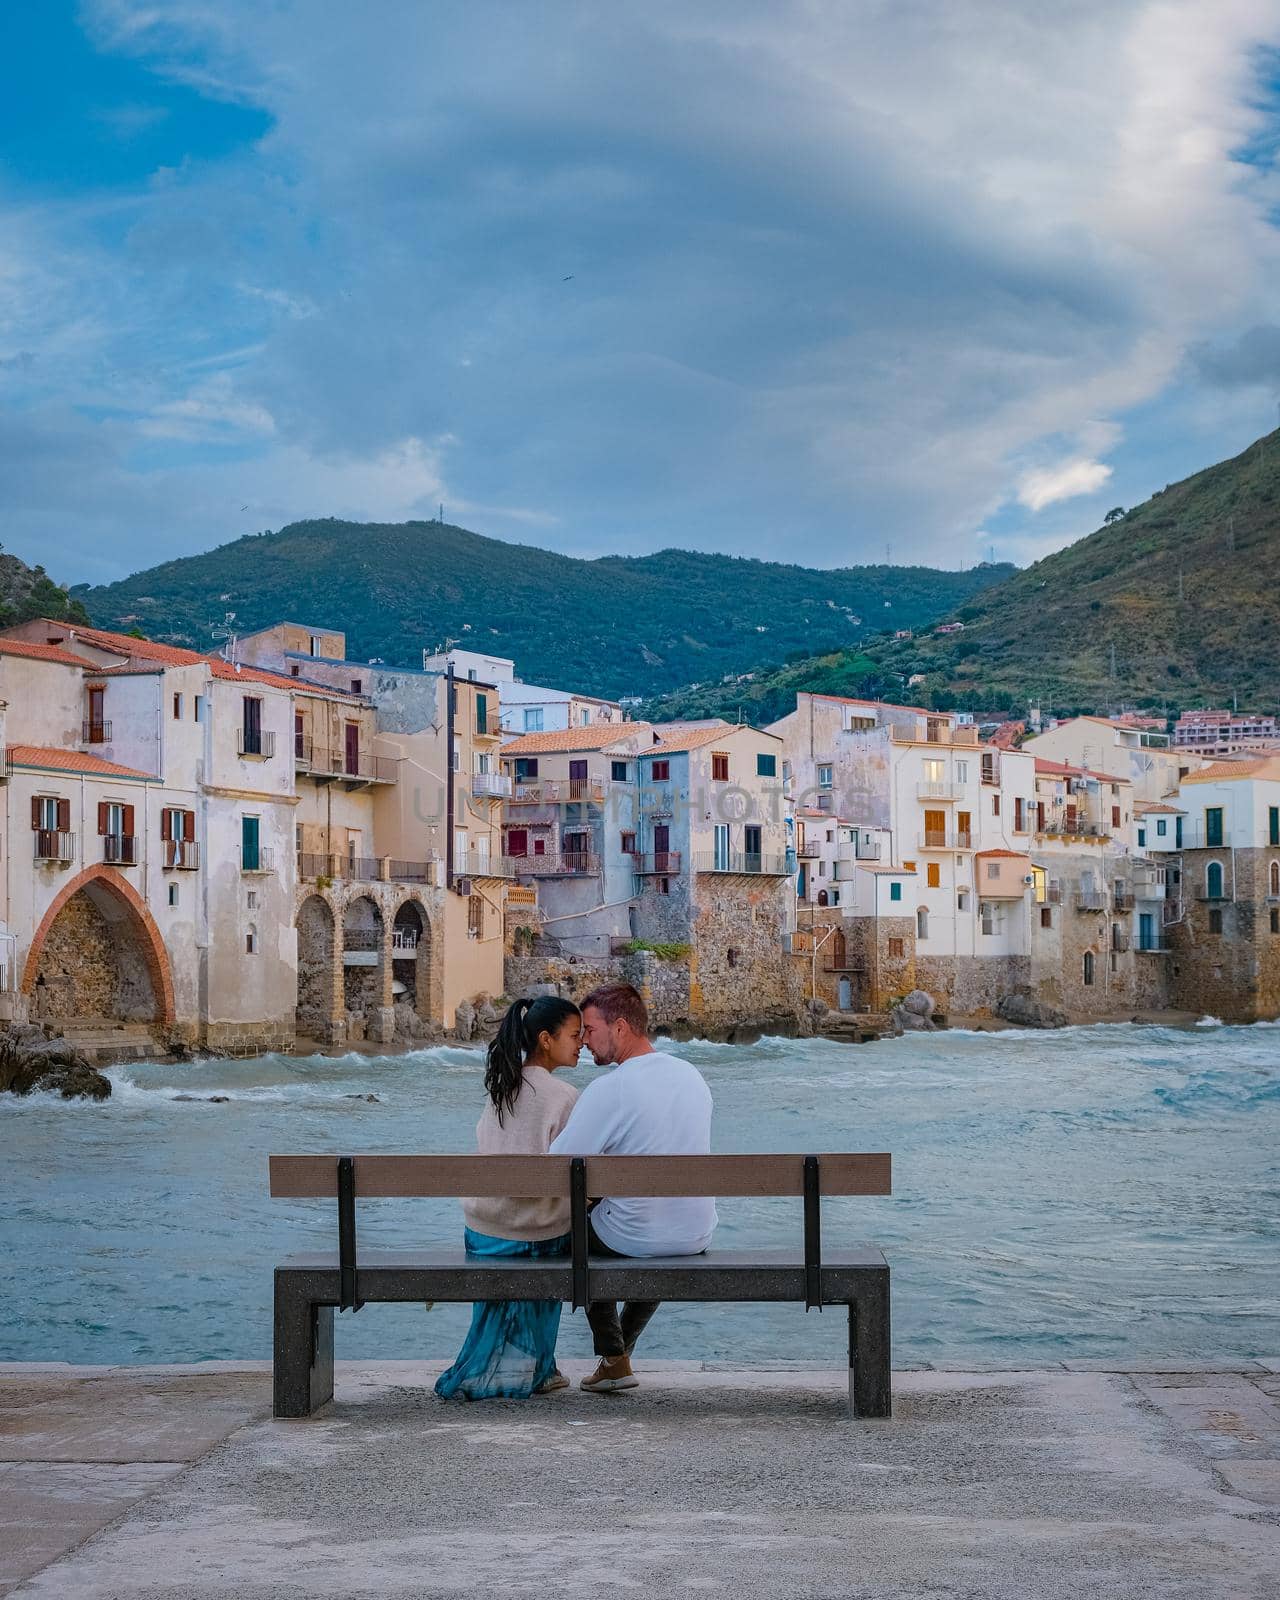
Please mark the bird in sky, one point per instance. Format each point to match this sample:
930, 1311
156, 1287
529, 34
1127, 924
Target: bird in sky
566, 280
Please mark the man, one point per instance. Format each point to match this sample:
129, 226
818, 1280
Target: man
651, 1104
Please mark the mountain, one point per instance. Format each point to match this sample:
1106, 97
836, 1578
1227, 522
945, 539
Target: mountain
619, 625
27, 592
1171, 604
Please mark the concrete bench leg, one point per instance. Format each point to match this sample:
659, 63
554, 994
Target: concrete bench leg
870, 1384
303, 1357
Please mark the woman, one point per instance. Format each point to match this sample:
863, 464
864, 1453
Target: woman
510, 1351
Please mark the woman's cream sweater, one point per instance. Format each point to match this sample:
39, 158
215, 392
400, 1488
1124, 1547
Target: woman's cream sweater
540, 1112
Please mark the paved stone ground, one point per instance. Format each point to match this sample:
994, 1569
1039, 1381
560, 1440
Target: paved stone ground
175, 1484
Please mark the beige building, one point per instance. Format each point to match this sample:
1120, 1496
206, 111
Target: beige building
1127, 749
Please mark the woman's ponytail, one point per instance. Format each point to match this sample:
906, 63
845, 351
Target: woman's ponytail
515, 1041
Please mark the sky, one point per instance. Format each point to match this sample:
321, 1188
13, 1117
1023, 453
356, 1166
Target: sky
812, 280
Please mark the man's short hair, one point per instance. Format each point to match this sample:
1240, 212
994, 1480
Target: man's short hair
620, 1002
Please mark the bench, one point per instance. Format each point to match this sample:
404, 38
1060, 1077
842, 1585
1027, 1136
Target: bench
308, 1287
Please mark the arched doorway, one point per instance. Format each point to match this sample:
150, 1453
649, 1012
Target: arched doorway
97, 957
411, 959
362, 973
317, 968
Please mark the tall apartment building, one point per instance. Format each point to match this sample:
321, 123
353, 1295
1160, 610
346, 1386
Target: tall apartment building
1225, 733
1141, 754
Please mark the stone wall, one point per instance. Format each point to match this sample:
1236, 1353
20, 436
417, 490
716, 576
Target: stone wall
92, 966
739, 972
868, 944
1235, 974
966, 984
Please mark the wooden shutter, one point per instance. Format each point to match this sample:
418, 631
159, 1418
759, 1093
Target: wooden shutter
102, 816
35, 811
128, 821
188, 826
166, 824
64, 816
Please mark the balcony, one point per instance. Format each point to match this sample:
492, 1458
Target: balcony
945, 839
120, 849
810, 850
867, 850
1122, 900
181, 855
256, 744
404, 942
1091, 900
261, 859
352, 767
586, 789
98, 732
939, 791
1071, 828
559, 791
313, 864
741, 861
1152, 945
54, 848
1053, 894
490, 785
1120, 939
664, 864
569, 864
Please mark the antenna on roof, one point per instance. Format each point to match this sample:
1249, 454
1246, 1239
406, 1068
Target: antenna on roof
227, 633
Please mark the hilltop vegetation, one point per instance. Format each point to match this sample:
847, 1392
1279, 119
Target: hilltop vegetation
1172, 604
615, 626
27, 592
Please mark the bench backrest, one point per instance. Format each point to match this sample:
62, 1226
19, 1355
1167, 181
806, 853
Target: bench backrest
533, 1177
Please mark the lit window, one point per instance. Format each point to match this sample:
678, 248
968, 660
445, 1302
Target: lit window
895, 891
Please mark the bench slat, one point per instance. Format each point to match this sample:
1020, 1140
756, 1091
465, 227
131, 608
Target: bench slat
425, 1177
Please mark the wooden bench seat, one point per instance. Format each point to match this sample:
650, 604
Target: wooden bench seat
309, 1286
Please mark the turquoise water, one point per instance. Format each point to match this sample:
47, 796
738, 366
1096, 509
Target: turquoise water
1097, 1192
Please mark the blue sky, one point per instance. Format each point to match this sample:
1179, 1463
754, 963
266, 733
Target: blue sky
805, 280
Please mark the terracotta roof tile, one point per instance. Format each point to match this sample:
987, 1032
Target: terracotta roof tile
1062, 769
596, 736
47, 759
889, 705
41, 652
1145, 807
1217, 771
1017, 855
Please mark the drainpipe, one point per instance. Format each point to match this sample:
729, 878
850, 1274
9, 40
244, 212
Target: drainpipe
450, 778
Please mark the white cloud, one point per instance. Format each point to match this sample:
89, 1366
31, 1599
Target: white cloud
1043, 488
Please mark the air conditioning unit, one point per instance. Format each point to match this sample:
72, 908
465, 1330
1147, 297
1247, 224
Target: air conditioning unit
1029, 879
462, 886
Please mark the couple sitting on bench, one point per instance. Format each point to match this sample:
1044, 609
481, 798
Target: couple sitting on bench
651, 1104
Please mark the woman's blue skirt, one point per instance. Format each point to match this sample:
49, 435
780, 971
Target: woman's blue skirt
511, 1347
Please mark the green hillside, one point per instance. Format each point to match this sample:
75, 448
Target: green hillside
27, 592
1173, 604
615, 626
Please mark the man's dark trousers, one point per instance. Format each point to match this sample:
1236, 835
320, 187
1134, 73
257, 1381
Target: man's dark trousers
615, 1335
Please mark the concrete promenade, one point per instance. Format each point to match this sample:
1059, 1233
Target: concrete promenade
123, 1483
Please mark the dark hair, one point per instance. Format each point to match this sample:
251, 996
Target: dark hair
620, 1002
516, 1040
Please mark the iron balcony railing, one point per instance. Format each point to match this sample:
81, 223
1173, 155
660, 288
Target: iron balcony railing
1071, 827
490, 785
810, 850
661, 864
50, 845
120, 849
1122, 899
325, 761
1091, 900
259, 858
404, 942
939, 791
1053, 894
867, 850
411, 871
1119, 939
743, 861
259, 743
95, 732
946, 839
181, 855
569, 863
1152, 944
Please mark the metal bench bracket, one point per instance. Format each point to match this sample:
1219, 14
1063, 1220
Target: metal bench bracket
578, 1231
349, 1294
812, 1234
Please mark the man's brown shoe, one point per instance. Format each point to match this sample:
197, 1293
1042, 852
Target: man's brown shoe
613, 1373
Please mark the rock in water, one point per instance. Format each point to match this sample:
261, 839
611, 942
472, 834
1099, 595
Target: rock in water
914, 1013
1028, 1012
49, 1066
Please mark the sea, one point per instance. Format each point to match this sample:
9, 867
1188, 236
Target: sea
1108, 1193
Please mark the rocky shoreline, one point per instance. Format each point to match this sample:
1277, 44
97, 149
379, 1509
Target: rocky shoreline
33, 1063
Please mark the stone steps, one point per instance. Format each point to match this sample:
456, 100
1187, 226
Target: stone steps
109, 1041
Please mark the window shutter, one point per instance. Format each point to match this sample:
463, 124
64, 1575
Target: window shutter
64, 816
188, 826
102, 816
128, 821
35, 811
166, 824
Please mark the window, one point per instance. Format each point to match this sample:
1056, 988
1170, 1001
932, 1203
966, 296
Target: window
933, 875
1046, 917
908, 866
831, 834
357, 685
1162, 828
721, 840
251, 900
1019, 814
482, 713
766, 766
661, 771
720, 766
922, 923
835, 898
1273, 824
251, 940
1213, 836
628, 844
471, 674
895, 891
533, 719
962, 899
1275, 919
115, 827
993, 870
962, 772
990, 921
664, 885
1273, 880
1142, 838
295, 671
50, 815
173, 894
517, 841
897, 949
315, 644
526, 768
824, 777
1115, 816
475, 917
618, 771
1215, 920
731, 956
250, 852
995, 805
197, 707
584, 717
177, 708
1088, 968
1213, 881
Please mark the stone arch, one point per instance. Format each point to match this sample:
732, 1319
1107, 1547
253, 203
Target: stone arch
1273, 881
366, 978
1089, 968
319, 1003
412, 940
1214, 880
120, 924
